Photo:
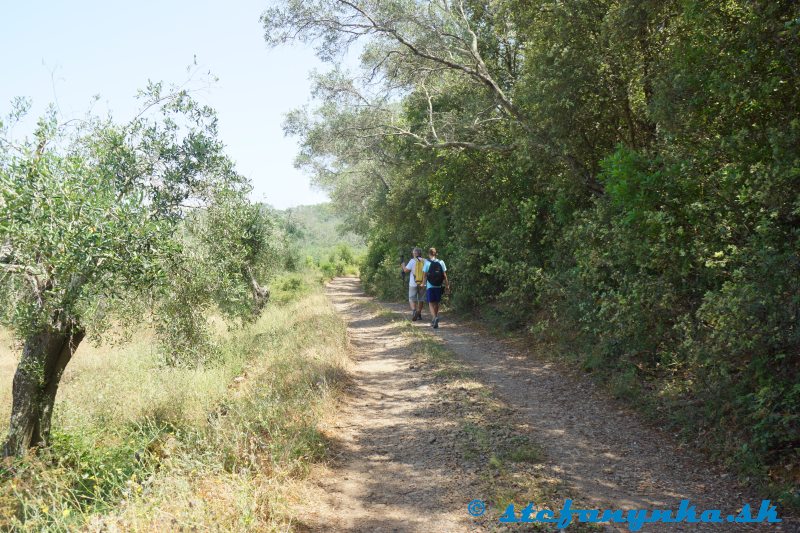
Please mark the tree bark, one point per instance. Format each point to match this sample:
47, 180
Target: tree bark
260, 297
44, 357
260, 294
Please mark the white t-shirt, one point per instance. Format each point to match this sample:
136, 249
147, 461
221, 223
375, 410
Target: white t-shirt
410, 266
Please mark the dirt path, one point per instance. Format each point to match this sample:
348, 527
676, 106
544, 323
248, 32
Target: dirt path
393, 473
389, 473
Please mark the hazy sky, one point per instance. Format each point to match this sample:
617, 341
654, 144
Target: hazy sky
70, 51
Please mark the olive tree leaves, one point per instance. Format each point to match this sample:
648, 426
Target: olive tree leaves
95, 217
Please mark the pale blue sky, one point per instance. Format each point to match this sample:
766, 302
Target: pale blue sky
71, 50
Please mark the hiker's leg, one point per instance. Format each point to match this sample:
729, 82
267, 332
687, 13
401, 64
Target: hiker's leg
412, 297
434, 296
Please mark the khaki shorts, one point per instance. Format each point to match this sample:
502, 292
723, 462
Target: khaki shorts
416, 294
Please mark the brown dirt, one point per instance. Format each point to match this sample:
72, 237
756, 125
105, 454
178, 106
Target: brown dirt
387, 471
394, 467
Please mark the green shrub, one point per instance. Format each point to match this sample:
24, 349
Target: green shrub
289, 287
381, 273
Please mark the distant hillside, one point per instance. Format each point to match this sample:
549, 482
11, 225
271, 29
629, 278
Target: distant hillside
319, 229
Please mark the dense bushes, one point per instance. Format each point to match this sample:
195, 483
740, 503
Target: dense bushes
380, 271
628, 186
340, 261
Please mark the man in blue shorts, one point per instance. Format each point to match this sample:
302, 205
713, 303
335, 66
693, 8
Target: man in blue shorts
435, 278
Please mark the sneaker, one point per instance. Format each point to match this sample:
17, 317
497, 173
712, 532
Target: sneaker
413, 316
436, 323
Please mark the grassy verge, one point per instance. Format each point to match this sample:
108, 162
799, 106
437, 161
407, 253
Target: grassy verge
142, 447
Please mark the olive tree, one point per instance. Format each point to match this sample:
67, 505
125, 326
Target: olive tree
91, 213
240, 243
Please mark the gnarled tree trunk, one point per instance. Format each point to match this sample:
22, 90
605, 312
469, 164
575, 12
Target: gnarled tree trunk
260, 293
44, 357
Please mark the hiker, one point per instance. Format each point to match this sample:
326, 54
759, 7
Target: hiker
416, 287
435, 277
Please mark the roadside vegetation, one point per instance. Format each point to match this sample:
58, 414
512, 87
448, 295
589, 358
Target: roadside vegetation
617, 178
322, 241
166, 353
158, 448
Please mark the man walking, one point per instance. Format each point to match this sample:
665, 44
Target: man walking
435, 277
416, 287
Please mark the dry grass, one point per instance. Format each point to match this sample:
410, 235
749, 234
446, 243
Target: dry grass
114, 386
144, 447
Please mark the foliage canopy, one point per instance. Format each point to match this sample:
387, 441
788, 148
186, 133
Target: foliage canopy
621, 176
